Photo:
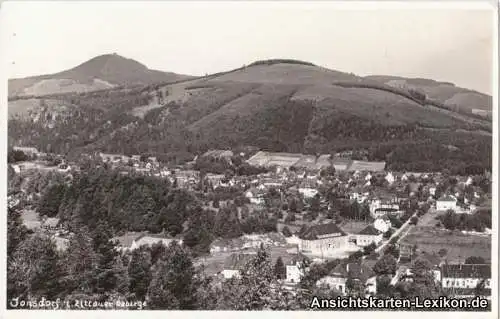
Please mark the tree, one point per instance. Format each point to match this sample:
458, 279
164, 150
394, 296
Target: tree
388, 233
354, 286
293, 205
414, 220
106, 278
16, 231
315, 204
369, 249
475, 260
51, 200
384, 288
16, 156
423, 285
328, 172
227, 223
280, 269
80, 262
392, 250
173, 284
254, 290
215, 203
442, 252
386, 265
35, 269
139, 272
286, 232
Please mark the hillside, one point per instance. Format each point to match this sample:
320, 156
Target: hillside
102, 72
444, 92
278, 105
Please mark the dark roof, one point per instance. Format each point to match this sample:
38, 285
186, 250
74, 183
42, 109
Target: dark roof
466, 270
447, 199
369, 230
314, 231
353, 270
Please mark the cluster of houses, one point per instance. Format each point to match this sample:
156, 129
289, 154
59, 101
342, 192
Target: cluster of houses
300, 174
458, 280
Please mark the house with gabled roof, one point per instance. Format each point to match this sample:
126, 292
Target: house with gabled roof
322, 239
446, 202
368, 235
256, 195
382, 224
338, 277
51, 223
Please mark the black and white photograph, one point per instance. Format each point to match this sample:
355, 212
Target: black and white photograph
250, 156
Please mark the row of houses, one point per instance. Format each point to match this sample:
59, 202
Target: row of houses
457, 280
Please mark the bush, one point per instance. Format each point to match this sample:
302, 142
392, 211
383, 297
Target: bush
286, 232
414, 220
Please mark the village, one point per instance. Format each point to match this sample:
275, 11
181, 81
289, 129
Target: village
327, 207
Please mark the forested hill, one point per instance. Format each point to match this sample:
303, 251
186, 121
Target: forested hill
99, 73
279, 105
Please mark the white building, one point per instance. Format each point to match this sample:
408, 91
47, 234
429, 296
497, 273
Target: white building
294, 272
382, 224
256, 196
359, 197
150, 240
458, 278
446, 202
337, 278
308, 192
390, 178
323, 239
368, 236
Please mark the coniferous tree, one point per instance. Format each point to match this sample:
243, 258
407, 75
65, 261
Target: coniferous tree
280, 269
173, 284
105, 277
16, 231
35, 269
139, 272
80, 263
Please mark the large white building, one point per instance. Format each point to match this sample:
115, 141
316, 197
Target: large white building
322, 239
446, 202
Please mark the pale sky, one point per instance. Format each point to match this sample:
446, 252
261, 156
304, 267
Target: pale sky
448, 44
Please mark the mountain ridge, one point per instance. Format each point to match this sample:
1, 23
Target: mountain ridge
101, 72
276, 105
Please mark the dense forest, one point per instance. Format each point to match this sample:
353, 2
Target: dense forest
124, 203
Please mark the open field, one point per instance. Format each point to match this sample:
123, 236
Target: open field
429, 219
458, 245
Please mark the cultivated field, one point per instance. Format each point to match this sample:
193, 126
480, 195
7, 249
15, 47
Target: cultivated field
458, 245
